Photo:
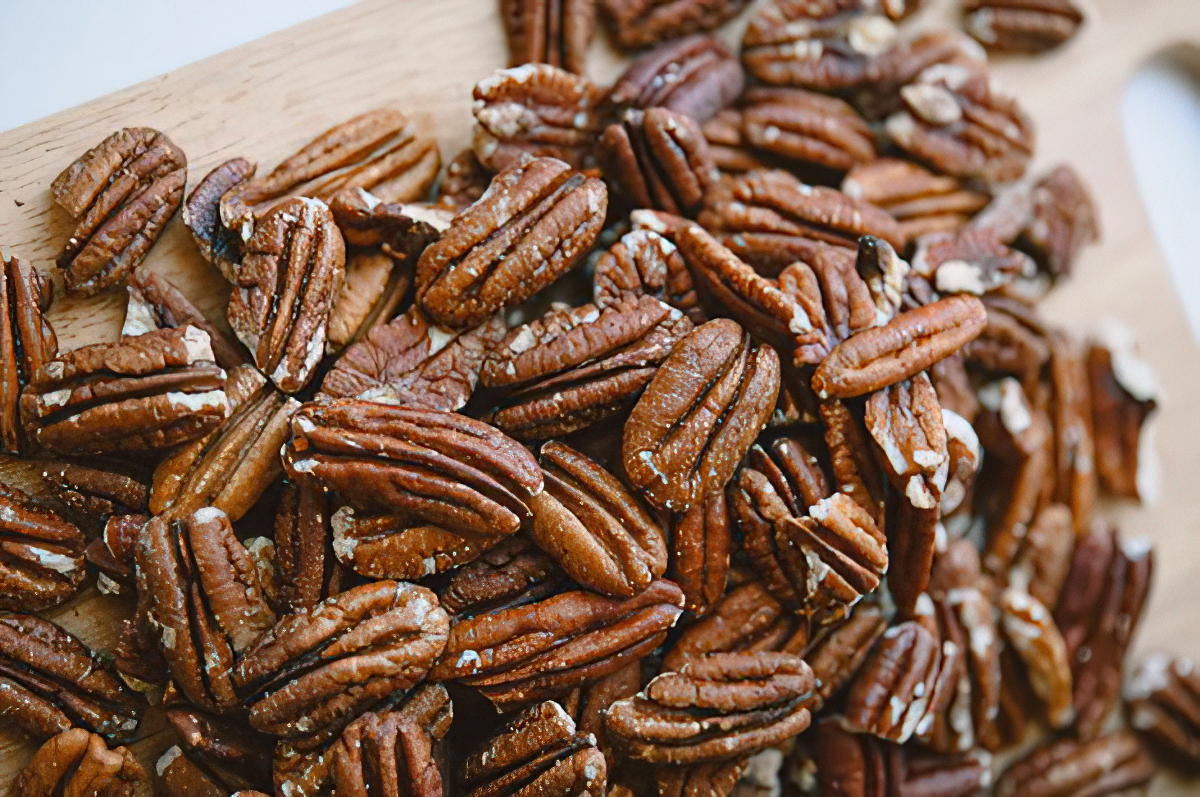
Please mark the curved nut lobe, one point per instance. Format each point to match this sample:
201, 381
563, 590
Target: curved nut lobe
660, 160
387, 754
701, 542
514, 572
41, 554
644, 262
806, 128
555, 32
78, 762
695, 76
890, 695
1064, 220
1031, 631
1162, 696
1023, 27
921, 201
217, 243
27, 342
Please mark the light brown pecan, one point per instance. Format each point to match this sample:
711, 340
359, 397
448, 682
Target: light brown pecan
902, 348
696, 76
1108, 764
41, 554
643, 23
214, 755
27, 342
1063, 220
50, 682
537, 110
206, 601
413, 362
202, 214
955, 121
373, 290
555, 32
1021, 26
547, 648
716, 707
536, 219
1163, 699
538, 752
920, 201
806, 128
836, 654
964, 455
122, 193
701, 541
575, 367
138, 394
969, 261
1030, 629
292, 268
855, 471
699, 415
463, 183
836, 299
391, 753
231, 466
1123, 399
1074, 449
659, 159
514, 572
644, 262
154, 303
905, 420
78, 762
593, 527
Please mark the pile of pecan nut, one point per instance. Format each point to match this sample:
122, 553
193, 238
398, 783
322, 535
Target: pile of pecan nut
696, 435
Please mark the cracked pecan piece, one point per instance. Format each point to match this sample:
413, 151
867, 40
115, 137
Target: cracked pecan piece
1063, 220
292, 268
806, 129
121, 193
401, 230
154, 303
969, 261
41, 554
214, 756
701, 541
206, 601
659, 159
539, 752
536, 219
27, 342
645, 263
78, 762
644, 23
716, 707
546, 648
410, 361
143, 393
593, 527
574, 367
699, 415
695, 76
555, 32
536, 110
1109, 764
1124, 396
1029, 27
1163, 701
202, 215
921, 202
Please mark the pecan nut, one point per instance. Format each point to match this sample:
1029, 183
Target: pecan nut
537, 218
1063, 220
701, 543
921, 202
854, 469
644, 262
969, 261
372, 292
806, 128
27, 342
1162, 697
41, 554
154, 303
213, 756
555, 32
97, 490
1024, 27
202, 214
392, 753
121, 193
1105, 765
644, 23
1123, 394
78, 762
695, 76
1074, 446
837, 654
660, 159
1030, 629
305, 569
463, 183
513, 572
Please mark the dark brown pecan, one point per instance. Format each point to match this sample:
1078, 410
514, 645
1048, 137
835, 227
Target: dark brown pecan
854, 468
138, 394
574, 367
411, 361
644, 262
378, 151
214, 756
41, 554
1124, 393
78, 762
969, 261
1074, 450
715, 779
806, 128
1029, 27
659, 159
96, 490
320, 666
837, 301
113, 553
955, 121
1063, 221
837, 653
1163, 697
1108, 764
27, 342
902, 348
292, 269
536, 219
593, 527
537, 110
538, 752
701, 540
373, 290
202, 214
771, 219
230, 467
589, 704
547, 648
306, 571
513, 572
1013, 342
716, 707
463, 183
699, 415
955, 391
920, 201
154, 303
555, 32
50, 682
1030, 630
391, 753
401, 230
696, 76
206, 601
122, 193
643, 23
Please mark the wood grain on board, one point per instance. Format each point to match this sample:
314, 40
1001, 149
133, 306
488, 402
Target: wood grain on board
264, 99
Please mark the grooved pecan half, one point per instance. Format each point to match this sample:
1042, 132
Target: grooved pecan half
837, 301
1014, 341
122, 193
854, 469
292, 268
413, 362
715, 779
1064, 220
696, 76
701, 542
659, 159
1041, 565
921, 202
645, 263
730, 151
512, 573
463, 183
373, 290
902, 348
1074, 449
306, 571
555, 32
1108, 764
714, 708
536, 219
1022, 26
78, 762
154, 303
837, 654
806, 128
537, 110
27, 342
41, 554
1163, 696
1123, 399
202, 214
538, 752
699, 415
588, 705
392, 753
643, 23
905, 420
1030, 629
96, 490
969, 261
547, 648
213, 755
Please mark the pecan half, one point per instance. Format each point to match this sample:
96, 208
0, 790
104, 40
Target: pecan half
696, 76
41, 554
373, 290
659, 159
213, 755
1030, 629
714, 708
96, 490
699, 415
122, 193
202, 214
555, 32
537, 218
1074, 448
139, 394
806, 128
27, 342
306, 571
1013, 342
588, 705
537, 110
921, 202
643, 23
401, 230
701, 541
292, 268
1123, 394
850, 456
730, 152
969, 261
538, 752
1106, 765
1021, 26
154, 303
1163, 698
390, 754
1064, 220
78, 762
836, 655
463, 183
512, 573
1041, 565
645, 262
837, 301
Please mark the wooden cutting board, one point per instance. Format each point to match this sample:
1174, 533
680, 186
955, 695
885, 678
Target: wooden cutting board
264, 99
